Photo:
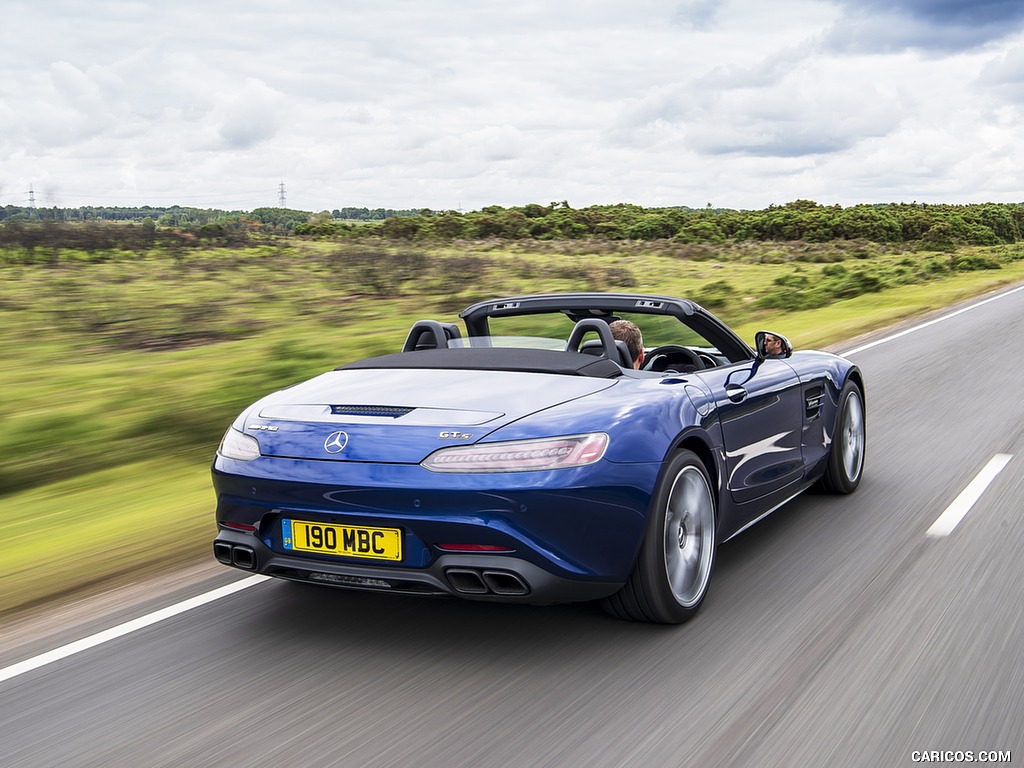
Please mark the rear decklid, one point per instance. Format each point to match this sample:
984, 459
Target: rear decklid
401, 415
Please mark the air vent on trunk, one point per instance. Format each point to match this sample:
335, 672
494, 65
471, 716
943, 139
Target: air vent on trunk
392, 411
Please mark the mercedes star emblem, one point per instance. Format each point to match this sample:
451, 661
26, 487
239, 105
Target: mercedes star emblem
336, 442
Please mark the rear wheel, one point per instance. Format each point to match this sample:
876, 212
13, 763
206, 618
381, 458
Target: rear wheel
673, 570
846, 458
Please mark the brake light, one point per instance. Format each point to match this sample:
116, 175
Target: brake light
473, 548
240, 527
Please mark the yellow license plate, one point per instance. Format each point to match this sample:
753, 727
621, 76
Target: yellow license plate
342, 540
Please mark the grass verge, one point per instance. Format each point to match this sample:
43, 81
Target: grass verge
67, 536
64, 538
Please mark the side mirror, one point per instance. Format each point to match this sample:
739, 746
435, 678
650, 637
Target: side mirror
771, 345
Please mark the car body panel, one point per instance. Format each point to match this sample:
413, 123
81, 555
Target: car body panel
758, 405
296, 422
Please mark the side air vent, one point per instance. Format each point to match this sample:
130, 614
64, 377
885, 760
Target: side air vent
813, 399
391, 411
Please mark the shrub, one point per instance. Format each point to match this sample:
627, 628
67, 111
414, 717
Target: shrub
970, 262
793, 280
841, 283
834, 270
792, 292
715, 295
939, 237
700, 231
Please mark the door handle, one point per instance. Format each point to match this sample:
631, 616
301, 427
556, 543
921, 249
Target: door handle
735, 392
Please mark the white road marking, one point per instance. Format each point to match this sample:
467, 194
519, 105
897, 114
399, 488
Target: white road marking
955, 512
123, 629
903, 333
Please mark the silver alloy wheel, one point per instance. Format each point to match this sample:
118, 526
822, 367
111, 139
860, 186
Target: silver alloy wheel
689, 536
851, 437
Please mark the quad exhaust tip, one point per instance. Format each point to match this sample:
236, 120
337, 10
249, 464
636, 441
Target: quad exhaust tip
505, 583
470, 581
235, 554
466, 581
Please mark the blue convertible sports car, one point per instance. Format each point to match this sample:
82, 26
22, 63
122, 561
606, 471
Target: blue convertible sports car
528, 461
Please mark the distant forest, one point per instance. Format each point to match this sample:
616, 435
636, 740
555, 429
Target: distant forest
178, 216
932, 226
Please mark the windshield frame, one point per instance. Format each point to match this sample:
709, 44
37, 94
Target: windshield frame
694, 319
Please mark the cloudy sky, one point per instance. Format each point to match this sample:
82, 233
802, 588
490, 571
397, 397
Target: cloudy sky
459, 104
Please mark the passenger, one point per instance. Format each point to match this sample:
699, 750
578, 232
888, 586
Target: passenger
623, 330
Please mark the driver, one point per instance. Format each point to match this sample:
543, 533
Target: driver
772, 345
623, 330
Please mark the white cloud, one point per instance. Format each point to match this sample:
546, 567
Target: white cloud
1004, 75
249, 114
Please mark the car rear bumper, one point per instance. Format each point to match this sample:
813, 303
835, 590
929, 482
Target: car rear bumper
486, 577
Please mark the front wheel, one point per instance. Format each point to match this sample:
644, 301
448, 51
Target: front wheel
673, 570
846, 458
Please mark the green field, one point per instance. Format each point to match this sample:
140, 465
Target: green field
121, 370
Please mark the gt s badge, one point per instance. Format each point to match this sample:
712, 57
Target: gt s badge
454, 436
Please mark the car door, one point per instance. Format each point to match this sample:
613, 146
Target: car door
759, 407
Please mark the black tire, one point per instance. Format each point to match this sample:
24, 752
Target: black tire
849, 440
673, 570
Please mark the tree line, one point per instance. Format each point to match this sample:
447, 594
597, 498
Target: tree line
939, 226
932, 226
183, 216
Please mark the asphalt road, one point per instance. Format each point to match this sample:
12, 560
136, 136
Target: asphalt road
837, 632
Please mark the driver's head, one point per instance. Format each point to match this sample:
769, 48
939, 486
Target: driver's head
623, 330
772, 344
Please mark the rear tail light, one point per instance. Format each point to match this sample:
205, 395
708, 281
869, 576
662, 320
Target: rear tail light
520, 455
236, 445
